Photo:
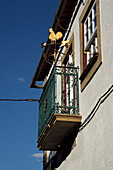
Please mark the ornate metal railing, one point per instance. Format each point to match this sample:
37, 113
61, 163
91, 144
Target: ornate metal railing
60, 95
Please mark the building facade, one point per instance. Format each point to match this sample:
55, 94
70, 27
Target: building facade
75, 109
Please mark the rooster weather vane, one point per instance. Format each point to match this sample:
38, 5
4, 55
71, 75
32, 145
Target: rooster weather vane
54, 37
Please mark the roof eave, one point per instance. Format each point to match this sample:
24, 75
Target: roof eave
37, 76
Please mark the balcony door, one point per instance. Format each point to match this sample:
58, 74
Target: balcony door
68, 82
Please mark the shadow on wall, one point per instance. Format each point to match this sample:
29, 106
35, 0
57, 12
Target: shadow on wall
67, 146
63, 152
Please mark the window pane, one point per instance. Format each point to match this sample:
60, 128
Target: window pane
95, 22
94, 10
90, 18
87, 37
87, 26
91, 29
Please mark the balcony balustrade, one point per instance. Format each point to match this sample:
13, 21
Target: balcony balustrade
58, 108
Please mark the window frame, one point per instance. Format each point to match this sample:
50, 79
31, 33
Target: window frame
88, 70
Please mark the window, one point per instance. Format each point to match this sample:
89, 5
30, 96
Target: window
90, 34
90, 41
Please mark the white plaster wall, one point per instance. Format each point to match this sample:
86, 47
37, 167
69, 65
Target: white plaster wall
94, 144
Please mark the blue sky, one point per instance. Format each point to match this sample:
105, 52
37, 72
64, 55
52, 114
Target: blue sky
24, 25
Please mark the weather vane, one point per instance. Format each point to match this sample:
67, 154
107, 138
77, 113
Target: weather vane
54, 37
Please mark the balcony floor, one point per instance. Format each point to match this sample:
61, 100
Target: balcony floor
59, 128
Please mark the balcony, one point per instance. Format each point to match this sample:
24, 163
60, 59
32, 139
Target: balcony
59, 108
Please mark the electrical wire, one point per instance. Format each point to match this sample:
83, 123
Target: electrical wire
20, 100
96, 107
89, 117
60, 25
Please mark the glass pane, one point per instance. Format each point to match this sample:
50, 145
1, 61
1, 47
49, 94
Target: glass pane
91, 29
95, 22
90, 18
87, 37
94, 10
87, 26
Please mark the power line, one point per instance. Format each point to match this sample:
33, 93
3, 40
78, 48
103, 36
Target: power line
89, 117
19, 100
96, 107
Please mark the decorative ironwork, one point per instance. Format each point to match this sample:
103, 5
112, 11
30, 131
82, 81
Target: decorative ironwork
54, 37
55, 99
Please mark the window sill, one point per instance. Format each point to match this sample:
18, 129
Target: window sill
88, 67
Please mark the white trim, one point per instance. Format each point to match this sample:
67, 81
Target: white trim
89, 25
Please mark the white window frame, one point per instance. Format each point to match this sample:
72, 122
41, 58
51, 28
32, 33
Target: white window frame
90, 33
88, 70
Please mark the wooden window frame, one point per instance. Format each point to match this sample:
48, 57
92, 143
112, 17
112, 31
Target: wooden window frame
88, 72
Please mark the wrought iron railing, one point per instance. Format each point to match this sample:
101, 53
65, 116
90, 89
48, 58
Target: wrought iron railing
60, 95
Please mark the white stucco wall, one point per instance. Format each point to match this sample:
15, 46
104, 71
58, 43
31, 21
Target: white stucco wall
94, 144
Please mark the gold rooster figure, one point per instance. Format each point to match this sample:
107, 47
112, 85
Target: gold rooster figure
53, 37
